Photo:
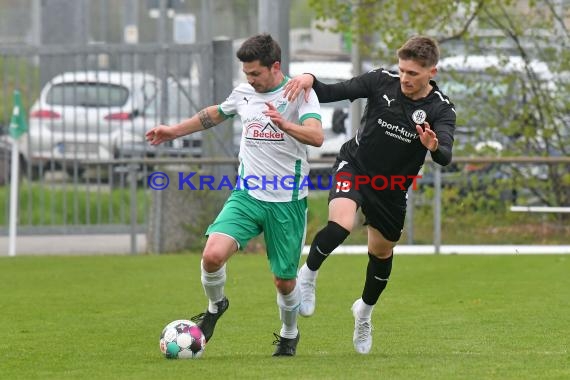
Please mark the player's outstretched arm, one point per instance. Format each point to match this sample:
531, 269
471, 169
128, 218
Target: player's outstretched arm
204, 119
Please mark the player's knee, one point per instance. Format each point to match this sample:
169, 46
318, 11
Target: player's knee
213, 258
284, 286
378, 245
381, 253
342, 211
346, 224
217, 251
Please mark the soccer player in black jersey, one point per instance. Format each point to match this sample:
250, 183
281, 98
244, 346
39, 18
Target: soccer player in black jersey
406, 116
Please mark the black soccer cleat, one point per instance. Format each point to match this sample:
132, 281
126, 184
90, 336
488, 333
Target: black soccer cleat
207, 321
285, 346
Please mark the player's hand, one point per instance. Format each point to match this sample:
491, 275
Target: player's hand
160, 134
274, 115
294, 86
427, 136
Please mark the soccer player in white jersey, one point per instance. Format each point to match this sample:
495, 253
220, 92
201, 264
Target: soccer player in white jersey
270, 197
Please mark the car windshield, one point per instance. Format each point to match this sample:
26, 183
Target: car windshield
87, 94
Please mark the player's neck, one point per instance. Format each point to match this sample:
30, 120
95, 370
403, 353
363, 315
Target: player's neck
278, 81
424, 92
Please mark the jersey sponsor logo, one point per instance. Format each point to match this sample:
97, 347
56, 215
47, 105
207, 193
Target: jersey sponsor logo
398, 132
388, 100
267, 132
419, 116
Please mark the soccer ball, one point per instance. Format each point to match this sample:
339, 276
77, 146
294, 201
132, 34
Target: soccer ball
182, 339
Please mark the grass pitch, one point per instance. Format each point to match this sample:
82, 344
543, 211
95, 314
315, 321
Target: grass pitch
441, 317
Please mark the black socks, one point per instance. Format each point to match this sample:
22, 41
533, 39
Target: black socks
325, 241
377, 275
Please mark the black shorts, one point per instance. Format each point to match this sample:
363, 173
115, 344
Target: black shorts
383, 210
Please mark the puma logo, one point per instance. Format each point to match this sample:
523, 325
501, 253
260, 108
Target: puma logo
388, 100
342, 163
246, 100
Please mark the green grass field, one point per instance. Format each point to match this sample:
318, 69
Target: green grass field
442, 317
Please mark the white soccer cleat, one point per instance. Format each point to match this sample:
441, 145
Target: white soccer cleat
362, 337
307, 284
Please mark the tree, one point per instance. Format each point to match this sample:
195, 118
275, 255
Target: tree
538, 122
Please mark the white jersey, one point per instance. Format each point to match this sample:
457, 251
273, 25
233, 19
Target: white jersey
273, 164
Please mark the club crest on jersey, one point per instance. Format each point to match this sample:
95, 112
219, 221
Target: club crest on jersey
281, 105
267, 132
419, 116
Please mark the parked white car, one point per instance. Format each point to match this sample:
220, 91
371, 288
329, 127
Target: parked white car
87, 116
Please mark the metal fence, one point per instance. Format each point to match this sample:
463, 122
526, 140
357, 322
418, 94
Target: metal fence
84, 168
88, 107
474, 185
496, 186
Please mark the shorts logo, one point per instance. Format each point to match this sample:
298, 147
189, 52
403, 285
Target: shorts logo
256, 131
419, 116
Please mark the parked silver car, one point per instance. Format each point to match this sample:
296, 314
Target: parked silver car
88, 116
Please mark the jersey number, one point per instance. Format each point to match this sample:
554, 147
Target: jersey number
343, 186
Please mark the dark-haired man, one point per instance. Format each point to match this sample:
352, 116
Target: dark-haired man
273, 148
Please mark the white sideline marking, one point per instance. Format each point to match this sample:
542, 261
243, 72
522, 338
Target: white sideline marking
554, 209
460, 249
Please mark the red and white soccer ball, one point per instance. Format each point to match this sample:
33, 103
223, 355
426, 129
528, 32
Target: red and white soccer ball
182, 339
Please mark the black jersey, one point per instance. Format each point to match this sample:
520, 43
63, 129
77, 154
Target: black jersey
387, 142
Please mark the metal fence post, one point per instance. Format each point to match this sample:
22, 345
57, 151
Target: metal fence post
221, 139
273, 18
437, 209
410, 216
162, 61
133, 190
